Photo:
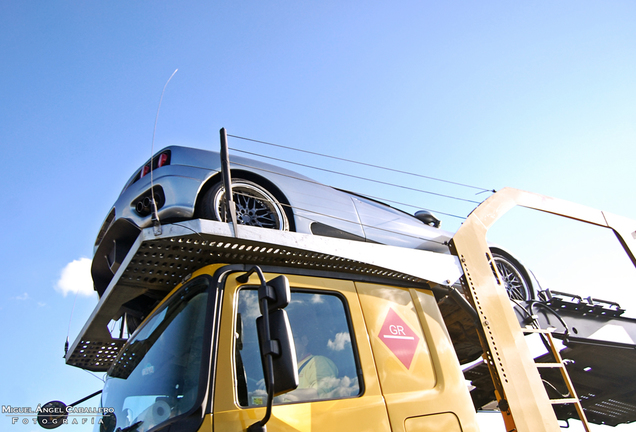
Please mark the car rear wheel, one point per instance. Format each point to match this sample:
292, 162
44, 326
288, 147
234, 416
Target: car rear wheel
515, 277
255, 205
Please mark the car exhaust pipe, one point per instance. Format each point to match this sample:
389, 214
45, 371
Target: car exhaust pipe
144, 206
147, 203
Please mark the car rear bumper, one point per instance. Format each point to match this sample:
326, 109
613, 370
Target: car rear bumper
179, 185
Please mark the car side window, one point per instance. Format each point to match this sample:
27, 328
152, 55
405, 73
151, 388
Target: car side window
326, 359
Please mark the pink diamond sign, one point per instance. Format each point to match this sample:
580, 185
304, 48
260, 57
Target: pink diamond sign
399, 338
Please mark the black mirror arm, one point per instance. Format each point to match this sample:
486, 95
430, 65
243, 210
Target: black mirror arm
264, 290
246, 276
86, 398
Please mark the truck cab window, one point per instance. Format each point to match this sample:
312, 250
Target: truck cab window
326, 359
156, 376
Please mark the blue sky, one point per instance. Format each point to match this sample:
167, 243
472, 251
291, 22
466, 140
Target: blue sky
534, 95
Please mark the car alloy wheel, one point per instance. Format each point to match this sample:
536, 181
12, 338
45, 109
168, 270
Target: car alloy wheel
255, 206
516, 284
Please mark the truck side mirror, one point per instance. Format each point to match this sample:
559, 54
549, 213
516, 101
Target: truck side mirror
281, 346
55, 413
277, 293
276, 341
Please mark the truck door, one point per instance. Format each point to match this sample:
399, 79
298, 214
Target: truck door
339, 388
419, 372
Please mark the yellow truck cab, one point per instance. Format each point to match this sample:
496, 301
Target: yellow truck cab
371, 357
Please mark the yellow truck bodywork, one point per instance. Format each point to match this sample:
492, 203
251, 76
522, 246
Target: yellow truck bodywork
430, 395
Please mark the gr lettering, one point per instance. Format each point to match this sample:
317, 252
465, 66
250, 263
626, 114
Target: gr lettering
397, 330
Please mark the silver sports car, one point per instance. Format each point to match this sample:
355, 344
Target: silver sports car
187, 183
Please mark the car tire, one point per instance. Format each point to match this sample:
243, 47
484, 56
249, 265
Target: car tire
255, 205
514, 276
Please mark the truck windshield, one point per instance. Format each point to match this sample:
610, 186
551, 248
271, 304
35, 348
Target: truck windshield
156, 376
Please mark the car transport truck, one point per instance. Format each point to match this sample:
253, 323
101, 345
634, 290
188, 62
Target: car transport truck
230, 327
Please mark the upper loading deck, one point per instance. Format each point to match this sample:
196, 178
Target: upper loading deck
155, 264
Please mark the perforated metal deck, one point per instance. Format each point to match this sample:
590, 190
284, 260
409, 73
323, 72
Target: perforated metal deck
156, 264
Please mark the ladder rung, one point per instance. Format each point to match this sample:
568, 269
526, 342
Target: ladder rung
535, 330
550, 365
566, 377
564, 401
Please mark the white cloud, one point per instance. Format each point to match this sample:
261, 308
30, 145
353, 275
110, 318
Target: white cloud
339, 342
316, 299
24, 296
76, 278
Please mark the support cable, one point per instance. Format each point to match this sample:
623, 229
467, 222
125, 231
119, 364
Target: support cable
360, 177
480, 189
380, 199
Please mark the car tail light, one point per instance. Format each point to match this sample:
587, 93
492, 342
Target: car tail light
164, 159
158, 161
145, 171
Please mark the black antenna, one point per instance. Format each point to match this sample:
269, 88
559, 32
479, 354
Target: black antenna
227, 180
156, 223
